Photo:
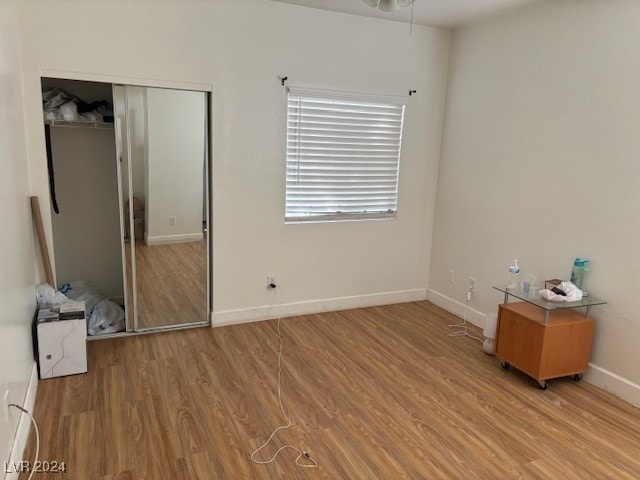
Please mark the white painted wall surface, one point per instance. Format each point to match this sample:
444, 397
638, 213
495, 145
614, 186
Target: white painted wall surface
86, 232
175, 166
240, 47
130, 111
136, 106
540, 162
17, 252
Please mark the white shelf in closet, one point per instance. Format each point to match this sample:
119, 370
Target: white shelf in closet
64, 123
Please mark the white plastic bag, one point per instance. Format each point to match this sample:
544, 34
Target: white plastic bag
107, 317
80, 292
51, 114
573, 293
47, 297
91, 117
68, 112
53, 99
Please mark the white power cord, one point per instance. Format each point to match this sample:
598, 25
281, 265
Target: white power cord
462, 327
301, 453
35, 426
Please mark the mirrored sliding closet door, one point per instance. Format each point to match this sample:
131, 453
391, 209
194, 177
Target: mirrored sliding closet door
163, 155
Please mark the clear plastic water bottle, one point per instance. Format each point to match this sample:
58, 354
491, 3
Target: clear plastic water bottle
514, 275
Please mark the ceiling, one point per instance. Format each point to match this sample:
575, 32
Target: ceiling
436, 13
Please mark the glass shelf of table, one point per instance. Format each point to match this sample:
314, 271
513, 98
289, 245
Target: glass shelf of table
534, 298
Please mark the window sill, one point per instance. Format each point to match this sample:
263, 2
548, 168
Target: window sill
341, 218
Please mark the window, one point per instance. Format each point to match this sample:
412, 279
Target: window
343, 152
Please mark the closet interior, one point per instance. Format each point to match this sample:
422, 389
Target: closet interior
128, 170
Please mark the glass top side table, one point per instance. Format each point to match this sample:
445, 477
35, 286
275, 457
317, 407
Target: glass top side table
534, 298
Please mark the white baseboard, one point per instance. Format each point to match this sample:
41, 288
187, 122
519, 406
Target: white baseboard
24, 425
254, 314
451, 305
186, 237
611, 382
596, 375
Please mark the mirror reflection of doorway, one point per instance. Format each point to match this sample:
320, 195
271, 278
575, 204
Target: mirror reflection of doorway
164, 146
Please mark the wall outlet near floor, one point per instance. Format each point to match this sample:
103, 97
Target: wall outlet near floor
5, 406
271, 282
452, 276
172, 221
472, 284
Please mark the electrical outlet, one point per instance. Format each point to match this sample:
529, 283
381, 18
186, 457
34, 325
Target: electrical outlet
452, 276
172, 221
271, 282
5, 406
472, 284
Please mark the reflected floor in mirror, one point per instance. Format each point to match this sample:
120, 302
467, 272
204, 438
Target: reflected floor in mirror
172, 283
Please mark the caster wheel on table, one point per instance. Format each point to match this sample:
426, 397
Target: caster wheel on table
543, 385
577, 377
506, 365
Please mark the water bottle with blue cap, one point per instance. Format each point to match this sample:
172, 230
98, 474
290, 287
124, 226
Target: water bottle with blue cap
514, 275
580, 267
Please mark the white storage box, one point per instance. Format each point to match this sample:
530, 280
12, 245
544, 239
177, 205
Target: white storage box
62, 341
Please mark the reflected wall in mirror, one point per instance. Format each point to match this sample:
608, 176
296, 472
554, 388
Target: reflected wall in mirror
167, 144
122, 146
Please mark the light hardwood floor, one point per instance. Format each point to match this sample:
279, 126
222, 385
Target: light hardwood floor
374, 393
172, 283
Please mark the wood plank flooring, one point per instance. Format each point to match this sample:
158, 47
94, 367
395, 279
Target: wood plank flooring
373, 393
172, 283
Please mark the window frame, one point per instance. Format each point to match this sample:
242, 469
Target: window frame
333, 95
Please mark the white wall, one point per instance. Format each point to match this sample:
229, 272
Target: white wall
86, 232
175, 166
84, 162
130, 108
540, 163
17, 253
136, 106
240, 47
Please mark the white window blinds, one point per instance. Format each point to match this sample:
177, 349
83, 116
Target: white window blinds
343, 153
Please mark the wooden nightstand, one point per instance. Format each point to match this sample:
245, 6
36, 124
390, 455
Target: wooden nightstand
558, 348
544, 339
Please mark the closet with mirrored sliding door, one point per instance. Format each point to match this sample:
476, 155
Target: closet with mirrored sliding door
133, 183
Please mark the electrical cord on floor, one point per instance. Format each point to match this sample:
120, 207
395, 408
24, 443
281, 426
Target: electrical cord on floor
35, 426
301, 453
463, 328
